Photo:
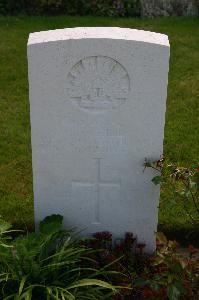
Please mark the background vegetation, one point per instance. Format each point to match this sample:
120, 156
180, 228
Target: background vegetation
101, 7
72, 7
181, 131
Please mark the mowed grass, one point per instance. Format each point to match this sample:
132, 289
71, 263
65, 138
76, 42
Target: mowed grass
181, 130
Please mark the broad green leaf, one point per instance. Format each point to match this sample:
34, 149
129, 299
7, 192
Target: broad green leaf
51, 224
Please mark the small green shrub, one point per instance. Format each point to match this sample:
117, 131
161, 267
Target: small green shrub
52, 264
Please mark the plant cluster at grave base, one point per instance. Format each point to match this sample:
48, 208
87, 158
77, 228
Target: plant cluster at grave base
166, 275
55, 264
50, 265
72, 7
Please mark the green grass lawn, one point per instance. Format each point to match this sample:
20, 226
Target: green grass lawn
181, 131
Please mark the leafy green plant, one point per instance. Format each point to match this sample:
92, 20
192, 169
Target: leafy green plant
52, 264
55, 264
171, 274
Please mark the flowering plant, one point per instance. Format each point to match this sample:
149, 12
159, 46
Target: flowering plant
184, 183
172, 274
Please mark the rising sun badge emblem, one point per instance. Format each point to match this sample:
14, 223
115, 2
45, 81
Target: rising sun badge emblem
98, 83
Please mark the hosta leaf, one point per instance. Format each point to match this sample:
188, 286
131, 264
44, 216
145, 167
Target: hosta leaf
51, 224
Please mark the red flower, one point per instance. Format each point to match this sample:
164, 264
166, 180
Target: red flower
104, 235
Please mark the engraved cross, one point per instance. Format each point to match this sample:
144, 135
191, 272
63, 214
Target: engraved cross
97, 185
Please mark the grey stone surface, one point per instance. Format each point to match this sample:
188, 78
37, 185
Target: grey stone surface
97, 103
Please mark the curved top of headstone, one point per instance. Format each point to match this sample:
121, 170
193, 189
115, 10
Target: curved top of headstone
115, 33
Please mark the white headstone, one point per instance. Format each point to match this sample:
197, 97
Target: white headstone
97, 103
